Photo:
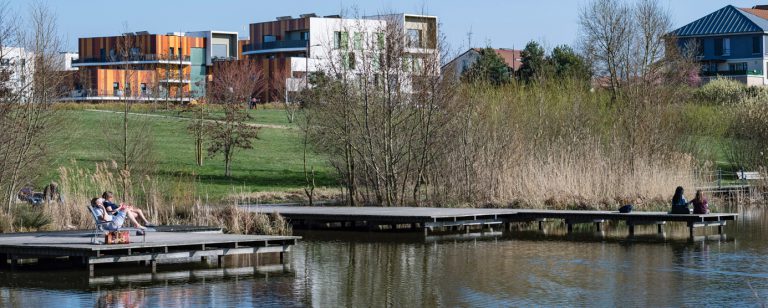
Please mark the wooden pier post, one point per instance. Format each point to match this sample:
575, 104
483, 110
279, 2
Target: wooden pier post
598, 226
153, 264
541, 225
660, 228
570, 227
690, 231
720, 229
631, 230
91, 270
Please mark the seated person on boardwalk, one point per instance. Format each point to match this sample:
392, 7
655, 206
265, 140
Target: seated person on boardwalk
679, 204
700, 205
133, 212
116, 220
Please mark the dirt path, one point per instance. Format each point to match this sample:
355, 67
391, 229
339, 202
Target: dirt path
182, 118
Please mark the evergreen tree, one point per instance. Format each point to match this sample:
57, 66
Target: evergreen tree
489, 67
568, 64
534, 62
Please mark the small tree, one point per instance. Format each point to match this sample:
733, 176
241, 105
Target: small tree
233, 85
568, 63
534, 61
489, 67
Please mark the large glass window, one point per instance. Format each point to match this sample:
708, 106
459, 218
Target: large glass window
414, 38
737, 67
219, 51
340, 40
358, 41
756, 43
718, 46
269, 38
726, 46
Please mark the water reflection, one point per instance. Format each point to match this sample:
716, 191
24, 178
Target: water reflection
525, 267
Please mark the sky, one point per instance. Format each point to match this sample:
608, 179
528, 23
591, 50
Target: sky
500, 24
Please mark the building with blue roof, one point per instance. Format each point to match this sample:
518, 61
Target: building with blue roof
730, 42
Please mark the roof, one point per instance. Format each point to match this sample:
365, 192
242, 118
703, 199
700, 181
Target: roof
726, 20
511, 56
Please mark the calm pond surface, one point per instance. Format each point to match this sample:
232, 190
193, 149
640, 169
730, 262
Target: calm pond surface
522, 268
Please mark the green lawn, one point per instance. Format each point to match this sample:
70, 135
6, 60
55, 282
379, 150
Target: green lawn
274, 163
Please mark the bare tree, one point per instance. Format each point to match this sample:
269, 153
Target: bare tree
25, 112
378, 109
232, 87
607, 33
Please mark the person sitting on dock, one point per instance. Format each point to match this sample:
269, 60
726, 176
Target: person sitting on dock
133, 212
116, 220
679, 204
700, 205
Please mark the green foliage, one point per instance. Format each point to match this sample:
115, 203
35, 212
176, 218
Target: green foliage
568, 63
276, 166
726, 91
534, 61
27, 217
490, 67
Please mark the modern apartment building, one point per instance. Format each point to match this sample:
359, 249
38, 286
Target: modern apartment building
143, 67
730, 42
288, 48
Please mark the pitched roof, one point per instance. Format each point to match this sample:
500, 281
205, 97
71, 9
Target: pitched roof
511, 56
762, 13
726, 20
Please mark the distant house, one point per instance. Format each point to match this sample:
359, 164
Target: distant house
729, 42
464, 61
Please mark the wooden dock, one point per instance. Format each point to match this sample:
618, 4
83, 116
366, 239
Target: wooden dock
431, 219
159, 246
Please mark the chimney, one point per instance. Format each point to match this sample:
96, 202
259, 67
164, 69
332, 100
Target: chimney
761, 7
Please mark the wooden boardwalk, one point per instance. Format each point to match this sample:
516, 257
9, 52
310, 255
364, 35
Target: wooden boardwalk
159, 246
430, 219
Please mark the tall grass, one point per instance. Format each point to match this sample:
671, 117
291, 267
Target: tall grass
172, 202
563, 146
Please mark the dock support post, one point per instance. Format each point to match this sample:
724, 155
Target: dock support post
720, 229
690, 231
631, 230
599, 226
426, 231
660, 228
153, 264
221, 260
570, 227
91, 270
541, 225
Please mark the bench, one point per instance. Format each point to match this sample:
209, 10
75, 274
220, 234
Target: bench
99, 230
750, 175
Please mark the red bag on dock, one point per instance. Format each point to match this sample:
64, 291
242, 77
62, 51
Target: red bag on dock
117, 237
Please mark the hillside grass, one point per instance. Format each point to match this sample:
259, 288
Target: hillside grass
273, 165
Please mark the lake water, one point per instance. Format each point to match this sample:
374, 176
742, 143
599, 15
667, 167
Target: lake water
521, 268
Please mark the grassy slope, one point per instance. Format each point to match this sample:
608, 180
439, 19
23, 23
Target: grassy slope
274, 164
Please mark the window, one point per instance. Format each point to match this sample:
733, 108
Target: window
414, 38
348, 60
737, 67
380, 40
102, 54
726, 46
112, 54
756, 43
718, 46
305, 36
5, 62
406, 64
171, 51
340, 40
135, 52
219, 51
358, 41
143, 89
116, 88
268, 38
375, 62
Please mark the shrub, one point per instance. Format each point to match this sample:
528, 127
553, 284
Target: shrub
726, 91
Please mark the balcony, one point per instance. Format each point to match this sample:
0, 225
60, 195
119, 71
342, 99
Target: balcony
733, 73
276, 46
112, 95
134, 59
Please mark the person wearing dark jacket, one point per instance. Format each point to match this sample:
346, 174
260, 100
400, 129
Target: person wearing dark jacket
679, 204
